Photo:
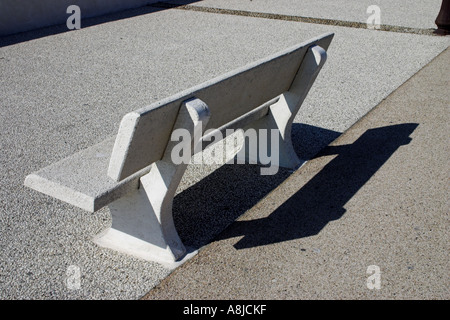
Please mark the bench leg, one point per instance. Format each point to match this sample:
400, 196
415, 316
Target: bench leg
278, 122
142, 222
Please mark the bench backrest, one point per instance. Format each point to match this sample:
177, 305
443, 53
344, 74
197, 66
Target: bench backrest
144, 134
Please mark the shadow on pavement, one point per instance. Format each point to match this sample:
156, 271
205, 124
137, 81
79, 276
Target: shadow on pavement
322, 199
85, 23
205, 209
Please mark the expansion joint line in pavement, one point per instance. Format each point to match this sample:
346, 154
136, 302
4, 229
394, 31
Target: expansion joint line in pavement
332, 22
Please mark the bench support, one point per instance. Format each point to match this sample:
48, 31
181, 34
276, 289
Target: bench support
142, 222
282, 113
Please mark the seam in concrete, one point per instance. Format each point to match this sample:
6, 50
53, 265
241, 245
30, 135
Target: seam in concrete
332, 22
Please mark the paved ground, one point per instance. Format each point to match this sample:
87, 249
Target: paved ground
401, 13
63, 91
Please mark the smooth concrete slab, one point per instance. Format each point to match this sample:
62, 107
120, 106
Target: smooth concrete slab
366, 219
65, 92
402, 13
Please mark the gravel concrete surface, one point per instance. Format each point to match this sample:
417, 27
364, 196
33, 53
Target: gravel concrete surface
61, 92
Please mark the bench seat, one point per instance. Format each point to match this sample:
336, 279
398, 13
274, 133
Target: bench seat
81, 179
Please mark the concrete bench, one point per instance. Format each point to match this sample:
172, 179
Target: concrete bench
134, 174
